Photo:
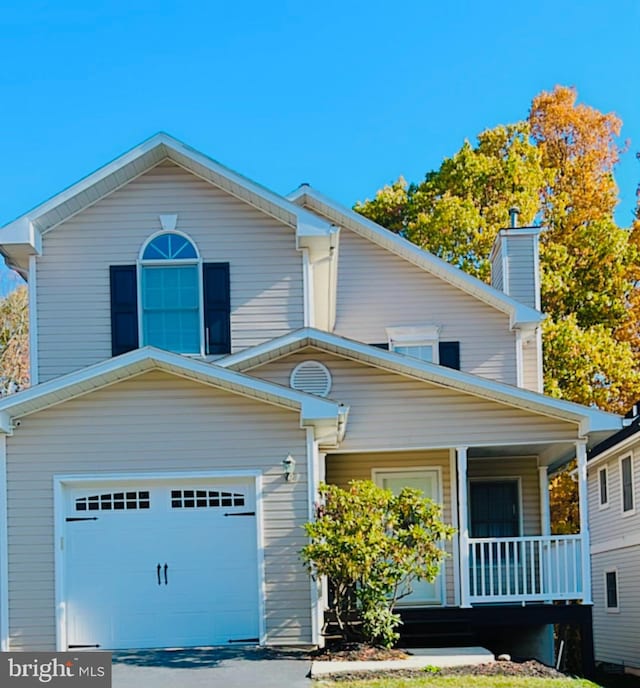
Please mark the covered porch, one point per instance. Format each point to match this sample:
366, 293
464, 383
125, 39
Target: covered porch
497, 498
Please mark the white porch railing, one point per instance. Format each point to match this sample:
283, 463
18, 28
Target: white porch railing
525, 569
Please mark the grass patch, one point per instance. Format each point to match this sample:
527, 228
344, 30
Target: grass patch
435, 681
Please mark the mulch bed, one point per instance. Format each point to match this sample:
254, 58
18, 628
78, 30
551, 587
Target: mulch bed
368, 653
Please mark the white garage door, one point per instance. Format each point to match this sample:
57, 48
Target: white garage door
159, 564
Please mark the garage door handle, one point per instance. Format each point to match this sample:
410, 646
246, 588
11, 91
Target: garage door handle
158, 569
166, 568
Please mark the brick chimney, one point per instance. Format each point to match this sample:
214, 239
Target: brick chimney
515, 262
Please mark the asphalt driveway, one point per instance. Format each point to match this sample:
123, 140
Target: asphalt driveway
223, 667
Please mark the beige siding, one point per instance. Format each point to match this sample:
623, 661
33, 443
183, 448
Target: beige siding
341, 468
520, 267
389, 411
377, 289
154, 422
616, 634
74, 328
523, 468
530, 364
609, 523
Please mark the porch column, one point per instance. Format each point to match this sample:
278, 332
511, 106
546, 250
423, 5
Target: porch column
581, 455
463, 526
545, 514
455, 543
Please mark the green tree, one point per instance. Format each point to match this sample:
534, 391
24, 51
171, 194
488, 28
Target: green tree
14, 342
371, 545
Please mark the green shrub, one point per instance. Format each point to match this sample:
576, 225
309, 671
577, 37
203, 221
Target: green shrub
371, 545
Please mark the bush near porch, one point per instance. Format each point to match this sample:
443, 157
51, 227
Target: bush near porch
371, 545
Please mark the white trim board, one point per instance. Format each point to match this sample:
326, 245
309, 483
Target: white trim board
4, 550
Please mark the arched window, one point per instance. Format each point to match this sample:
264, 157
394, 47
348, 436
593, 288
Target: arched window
171, 303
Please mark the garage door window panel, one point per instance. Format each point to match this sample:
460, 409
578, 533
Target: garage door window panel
190, 499
114, 501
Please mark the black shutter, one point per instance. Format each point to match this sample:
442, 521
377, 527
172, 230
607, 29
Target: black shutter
124, 309
449, 354
217, 308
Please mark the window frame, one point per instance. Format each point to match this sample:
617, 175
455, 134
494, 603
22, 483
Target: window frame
417, 335
628, 512
607, 502
141, 263
616, 609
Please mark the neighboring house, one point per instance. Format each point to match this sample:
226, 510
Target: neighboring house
614, 518
204, 352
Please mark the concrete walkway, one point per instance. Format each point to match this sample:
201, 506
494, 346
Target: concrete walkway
223, 667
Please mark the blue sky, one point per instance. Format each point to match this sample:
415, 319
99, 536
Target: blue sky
344, 95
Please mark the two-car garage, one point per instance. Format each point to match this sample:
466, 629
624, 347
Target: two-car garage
159, 563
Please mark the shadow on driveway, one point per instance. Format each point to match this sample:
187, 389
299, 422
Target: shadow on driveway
231, 667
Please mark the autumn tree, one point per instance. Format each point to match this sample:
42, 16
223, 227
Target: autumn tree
14, 342
557, 167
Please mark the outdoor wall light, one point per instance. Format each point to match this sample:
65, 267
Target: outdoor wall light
289, 468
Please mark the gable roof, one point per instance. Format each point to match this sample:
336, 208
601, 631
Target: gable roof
325, 415
620, 441
519, 314
590, 420
23, 235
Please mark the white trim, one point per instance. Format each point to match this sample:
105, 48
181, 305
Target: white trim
608, 609
611, 544
453, 488
517, 479
160, 261
583, 497
518, 312
76, 480
4, 550
307, 283
540, 362
632, 511
378, 473
606, 504
33, 321
313, 480
588, 419
519, 358
463, 520
545, 509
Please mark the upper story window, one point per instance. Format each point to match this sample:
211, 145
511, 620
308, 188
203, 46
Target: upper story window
603, 487
170, 294
171, 299
418, 342
626, 477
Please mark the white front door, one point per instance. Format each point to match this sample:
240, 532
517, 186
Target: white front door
161, 564
427, 480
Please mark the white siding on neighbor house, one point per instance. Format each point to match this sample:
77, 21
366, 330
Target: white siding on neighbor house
342, 468
377, 289
524, 468
497, 273
616, 634
155, 422
73, 298
520, 266
389, 411
608, 524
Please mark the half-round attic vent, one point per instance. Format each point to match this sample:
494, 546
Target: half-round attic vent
311, 377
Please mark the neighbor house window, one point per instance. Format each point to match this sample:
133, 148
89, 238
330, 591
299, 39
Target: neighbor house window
170, 294
419, 342
611, 590
603, 487
626, 474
